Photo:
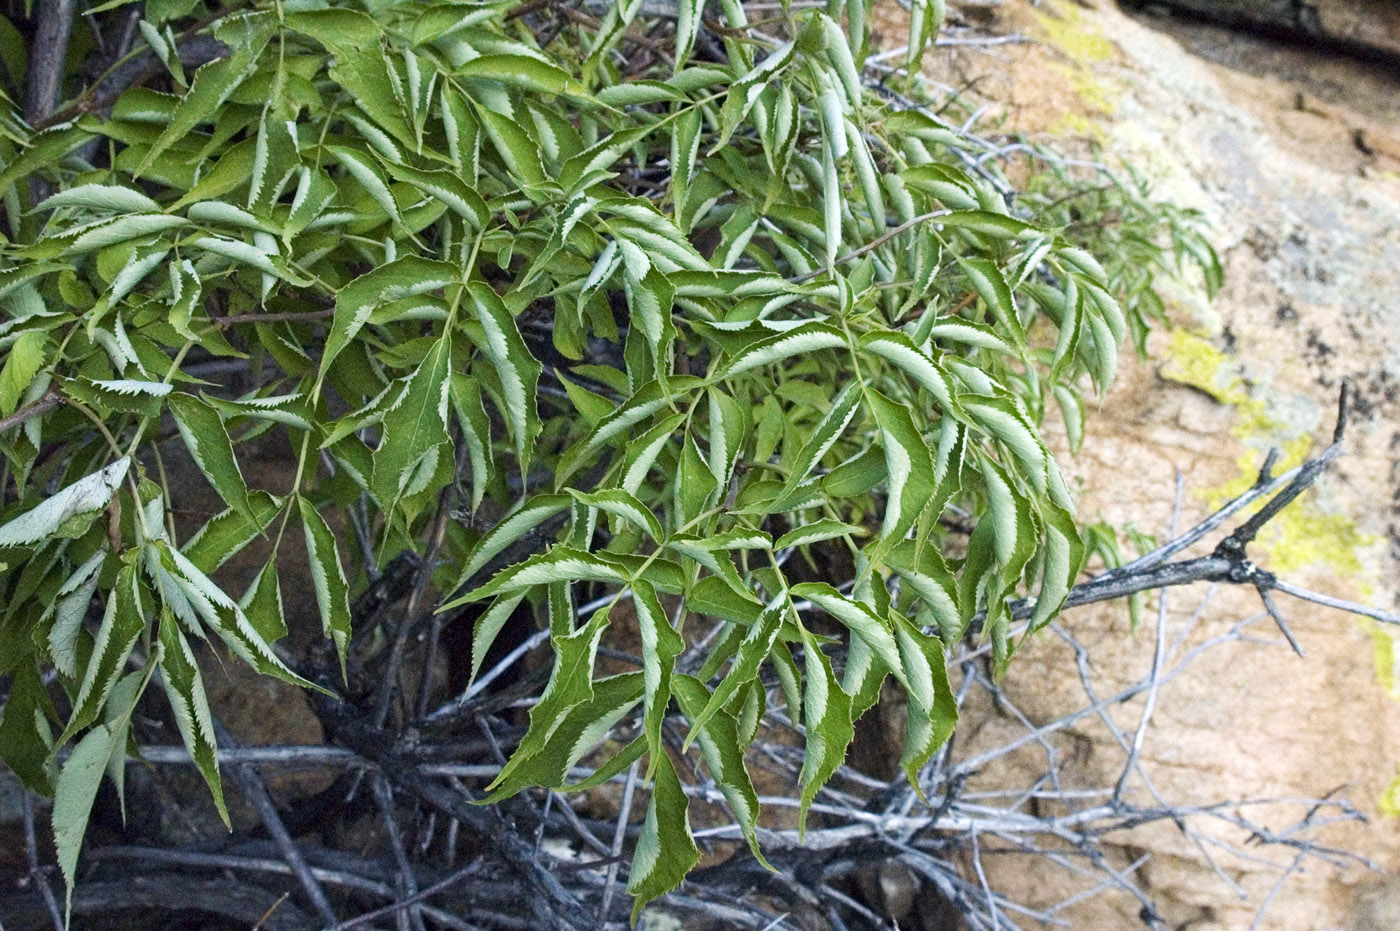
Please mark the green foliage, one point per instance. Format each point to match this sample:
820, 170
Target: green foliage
712, 326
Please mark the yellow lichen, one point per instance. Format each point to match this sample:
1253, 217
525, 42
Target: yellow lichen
1389, 802
1065, 28
1302, 534
1385, 655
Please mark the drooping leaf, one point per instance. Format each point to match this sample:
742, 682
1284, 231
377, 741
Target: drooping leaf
328, 577
68, 512
517, 369
184, 687
666, 851
203, 431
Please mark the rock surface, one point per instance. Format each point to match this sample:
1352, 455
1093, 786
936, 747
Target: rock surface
1295, 159
1366, 24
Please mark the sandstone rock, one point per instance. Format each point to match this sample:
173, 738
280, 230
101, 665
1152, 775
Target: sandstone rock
1365, 24
1306, 215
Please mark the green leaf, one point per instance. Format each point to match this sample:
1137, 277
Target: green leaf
1064, 556
827, 431
122, 623
957, 330
816, 532
406, 277
465, 392
721, 745
808, 338
756, 646
213, 84
508, 530
1001, 420
142, 263
641, 452
909, 465
203, 431
517, 369
1010, 515
24, 360
524, 72
570, 685
262, 603
931, 706
73, 797
25, 735
70, 609
860, 619
448, 188
560, 564
987, 280
1072, 410
617, 502
899, 349
996, 225
184, 687
315, 192
856, 475
240, 253
646, 401
105, 198
515, 147
66, 513
661, 644
122, 229
488, 626
665, 851
328, 578
826, 716
193, 597
228, 532
368, 174
578, 732
414, 431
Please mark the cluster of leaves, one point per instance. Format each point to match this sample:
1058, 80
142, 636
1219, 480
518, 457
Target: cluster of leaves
686, 315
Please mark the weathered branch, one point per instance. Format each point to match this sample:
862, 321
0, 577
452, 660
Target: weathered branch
46, 58
50, 400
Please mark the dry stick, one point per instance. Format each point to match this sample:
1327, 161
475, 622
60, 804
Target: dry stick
438, 533
235, 862
1158, 655
304, 316
250, 783
422, 580
619, 834
271, 908
411, 901
47, 402
48, 53
384, 797
293, 757
554, 905
90, 100
36, 873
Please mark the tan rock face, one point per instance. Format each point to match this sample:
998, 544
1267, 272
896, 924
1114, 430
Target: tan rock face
1306, 215
1371, 23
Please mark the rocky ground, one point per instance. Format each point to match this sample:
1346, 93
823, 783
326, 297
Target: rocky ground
1292, 152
